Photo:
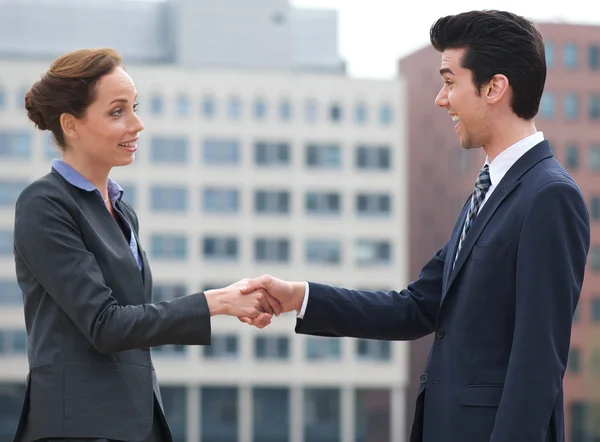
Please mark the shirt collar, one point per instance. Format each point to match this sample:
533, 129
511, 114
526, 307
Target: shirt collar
507, 158
76, 179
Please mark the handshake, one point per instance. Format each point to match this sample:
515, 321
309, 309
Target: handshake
255, 301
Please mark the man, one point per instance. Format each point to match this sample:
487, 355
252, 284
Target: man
500, 295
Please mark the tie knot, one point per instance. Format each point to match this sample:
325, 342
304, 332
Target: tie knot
484, 182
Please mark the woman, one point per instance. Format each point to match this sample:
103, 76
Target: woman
85, 278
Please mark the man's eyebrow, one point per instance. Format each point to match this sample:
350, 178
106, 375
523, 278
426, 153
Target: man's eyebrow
446, 71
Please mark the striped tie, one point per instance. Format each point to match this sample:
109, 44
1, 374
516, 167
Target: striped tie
481, 187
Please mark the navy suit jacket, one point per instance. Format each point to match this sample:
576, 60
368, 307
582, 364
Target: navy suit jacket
502, 316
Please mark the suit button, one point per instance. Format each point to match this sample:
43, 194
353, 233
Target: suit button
440, 333
424, 378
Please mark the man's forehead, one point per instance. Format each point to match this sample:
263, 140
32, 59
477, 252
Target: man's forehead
451, 61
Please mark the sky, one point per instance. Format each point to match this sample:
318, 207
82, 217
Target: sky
374, 34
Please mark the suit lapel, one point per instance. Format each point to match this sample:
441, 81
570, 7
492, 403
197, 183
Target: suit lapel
454, 237
510, 181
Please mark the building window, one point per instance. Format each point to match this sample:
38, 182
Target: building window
272, 153
2, 98
10, 191
323, 156
15, 145
373, 350
323, 349
594, 157
234, 108
372, 415
570, 56
272, 201
360, 113
323, 203
373, 252
310, 111
220, 248
272, 347
182, 106
594, 57
260, 109
169, 247
594, 107
285, 110
156, 104
571, 106
386, 114
222, 200
173, 150
595, 208
13, 342
11, 399
373, 157
221, 151
271, 414
322, 251
595, 258
585, 418
169, 199
550, 55
335, 113
168, 351
219, 409
322, 415
373, 204
595, 362
548, 105
167, 292
207, 107
10, 292
272, 250
572, 153
6, 243
596, 310
222, 347
174, 401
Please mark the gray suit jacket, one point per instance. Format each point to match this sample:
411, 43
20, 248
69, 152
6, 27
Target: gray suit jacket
89, 317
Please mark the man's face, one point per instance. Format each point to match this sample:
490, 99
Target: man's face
460, 98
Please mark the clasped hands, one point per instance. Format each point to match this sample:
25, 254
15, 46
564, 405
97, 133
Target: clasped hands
255, 301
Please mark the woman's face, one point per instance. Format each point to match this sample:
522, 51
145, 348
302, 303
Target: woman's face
107, 134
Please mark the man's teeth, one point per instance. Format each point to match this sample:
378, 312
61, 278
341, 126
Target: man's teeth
455, 118
132, 144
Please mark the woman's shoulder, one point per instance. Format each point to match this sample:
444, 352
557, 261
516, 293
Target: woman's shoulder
42, 191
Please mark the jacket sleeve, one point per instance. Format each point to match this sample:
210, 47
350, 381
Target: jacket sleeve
551, 258
50, 244
405, 315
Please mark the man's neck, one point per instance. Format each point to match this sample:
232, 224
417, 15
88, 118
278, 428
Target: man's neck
506, 135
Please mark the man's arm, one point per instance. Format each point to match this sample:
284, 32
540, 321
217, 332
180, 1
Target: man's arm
551, 259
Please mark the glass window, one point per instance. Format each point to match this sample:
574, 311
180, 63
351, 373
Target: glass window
373, 350
373, 157
323, 203
219, 409
373, 252
220, 248
386, 114
271, 347
548, 105
594, 157
310, 111
2, 99
594, 107
168, 351
222, 200
550, 55
10, 191
260, 109
234, 108
372, 415
271, 414
596, 310
594, 258
323, 156
594, 57
572, 153
335, 113
11, 399
15, 144
10, 292
285, 110
221, 151
272, 201
173, 150
13, 342
267, 153
182, 105
322, 415
595, 208
167, 291
222, 347
156, 104
272, 250
320, 348
6, 243
208, 107
373, 204
175, 405
570, 56
169, 199
325, 251
169, 247
571, 106
360, 113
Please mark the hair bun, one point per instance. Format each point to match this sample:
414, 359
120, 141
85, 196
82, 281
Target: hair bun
33, 113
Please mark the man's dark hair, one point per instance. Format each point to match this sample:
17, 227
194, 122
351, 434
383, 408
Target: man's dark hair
498, 42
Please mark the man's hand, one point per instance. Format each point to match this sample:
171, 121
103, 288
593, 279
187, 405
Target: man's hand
257, 304
289, 295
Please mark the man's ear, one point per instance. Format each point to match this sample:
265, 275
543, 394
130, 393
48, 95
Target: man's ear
496, 89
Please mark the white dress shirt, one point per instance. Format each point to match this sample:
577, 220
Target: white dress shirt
498, 168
